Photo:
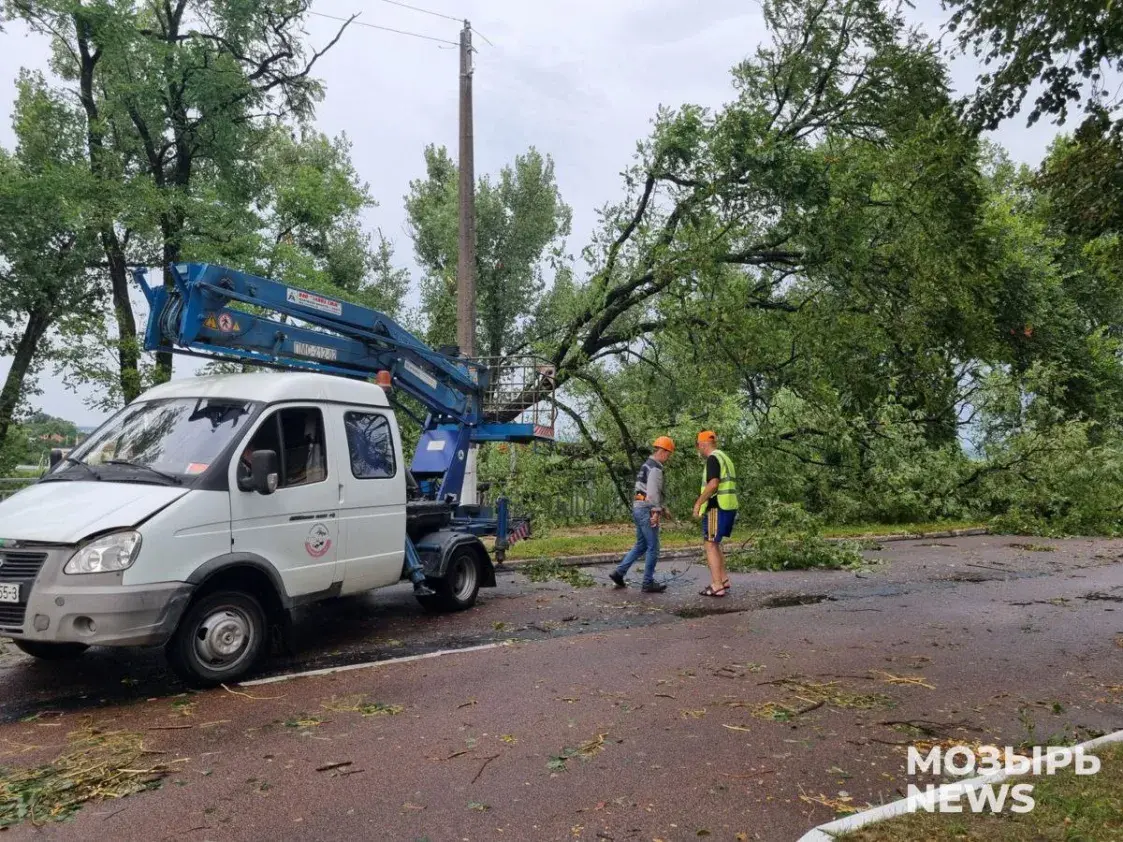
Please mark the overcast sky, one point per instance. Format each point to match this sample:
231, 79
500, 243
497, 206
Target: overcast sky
578, 79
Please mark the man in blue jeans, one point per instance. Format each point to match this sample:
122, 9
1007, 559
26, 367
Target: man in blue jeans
647, 510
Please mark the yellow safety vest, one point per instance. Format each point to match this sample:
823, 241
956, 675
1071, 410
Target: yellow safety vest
726, 484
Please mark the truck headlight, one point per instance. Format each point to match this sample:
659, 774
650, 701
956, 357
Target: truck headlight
107, 554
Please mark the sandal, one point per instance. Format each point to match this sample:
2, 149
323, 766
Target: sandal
709, 591
726, 585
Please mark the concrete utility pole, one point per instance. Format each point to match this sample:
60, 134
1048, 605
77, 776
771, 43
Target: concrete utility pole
466, 265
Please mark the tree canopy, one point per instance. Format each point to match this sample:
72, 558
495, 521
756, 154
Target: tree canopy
882, 316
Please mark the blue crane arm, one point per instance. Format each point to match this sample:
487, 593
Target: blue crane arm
348, 340
223, 314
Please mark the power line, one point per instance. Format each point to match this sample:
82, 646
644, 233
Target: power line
387, 29
423, 11
436, 15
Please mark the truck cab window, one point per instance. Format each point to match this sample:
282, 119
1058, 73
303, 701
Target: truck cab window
297, 436
370, 444
159, 442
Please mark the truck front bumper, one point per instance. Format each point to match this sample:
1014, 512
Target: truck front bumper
95, 609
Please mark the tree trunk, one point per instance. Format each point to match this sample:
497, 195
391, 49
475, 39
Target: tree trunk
171, 229
128, 352
37, 325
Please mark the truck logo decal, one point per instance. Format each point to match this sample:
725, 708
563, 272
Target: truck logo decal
318, 352
318, 541
313, 301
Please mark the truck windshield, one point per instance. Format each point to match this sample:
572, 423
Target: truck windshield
161, 442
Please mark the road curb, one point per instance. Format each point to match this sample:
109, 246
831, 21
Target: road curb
678, 554
830, 831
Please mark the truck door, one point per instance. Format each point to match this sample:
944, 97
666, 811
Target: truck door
296, 528
372, 497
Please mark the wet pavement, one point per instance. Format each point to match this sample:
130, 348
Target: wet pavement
608, 714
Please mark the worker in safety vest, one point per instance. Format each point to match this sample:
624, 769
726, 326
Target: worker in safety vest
647, 511
717, 506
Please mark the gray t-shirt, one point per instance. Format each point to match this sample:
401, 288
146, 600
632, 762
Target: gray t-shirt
649, 482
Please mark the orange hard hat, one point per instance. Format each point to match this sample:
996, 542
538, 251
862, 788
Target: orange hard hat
665, 443
707, 435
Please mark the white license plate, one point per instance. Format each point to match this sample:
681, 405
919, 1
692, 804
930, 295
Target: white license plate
9, 593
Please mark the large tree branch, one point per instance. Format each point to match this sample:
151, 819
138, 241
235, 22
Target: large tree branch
598, 448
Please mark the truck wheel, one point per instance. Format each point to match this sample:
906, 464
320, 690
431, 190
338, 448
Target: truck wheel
220, 639
459, 587
45, 651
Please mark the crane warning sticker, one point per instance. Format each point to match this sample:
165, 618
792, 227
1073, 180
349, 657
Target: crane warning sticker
318, 541
223, 322
314, 301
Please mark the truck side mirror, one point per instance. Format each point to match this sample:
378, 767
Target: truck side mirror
265, 471
56, 456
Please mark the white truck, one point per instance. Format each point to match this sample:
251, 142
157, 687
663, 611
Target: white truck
200, 514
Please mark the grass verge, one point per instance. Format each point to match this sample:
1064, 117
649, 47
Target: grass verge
1068, 807
619, 537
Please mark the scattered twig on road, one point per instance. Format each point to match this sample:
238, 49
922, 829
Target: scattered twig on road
736, 728
466, 704
808, 708
927, 726
1104, 597
910, 680
987, 567
895, 743
455, 754
484, 766
663, 696
169, 727
248, 696
327, 767
114, 813
189, 830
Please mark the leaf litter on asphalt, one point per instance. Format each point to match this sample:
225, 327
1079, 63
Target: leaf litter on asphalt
99, 765
361, 705
586, 751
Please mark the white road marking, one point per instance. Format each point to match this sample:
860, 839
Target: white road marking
273, 679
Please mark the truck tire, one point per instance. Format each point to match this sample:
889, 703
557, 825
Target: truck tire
220, 639
459, 587
46, 651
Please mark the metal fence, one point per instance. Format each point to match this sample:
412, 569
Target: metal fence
590, 498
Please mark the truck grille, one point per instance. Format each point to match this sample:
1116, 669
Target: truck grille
11, 617
16, 566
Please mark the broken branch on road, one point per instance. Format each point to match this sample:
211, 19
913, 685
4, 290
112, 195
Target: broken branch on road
484, 766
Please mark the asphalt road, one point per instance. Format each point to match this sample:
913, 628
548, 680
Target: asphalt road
607, 714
